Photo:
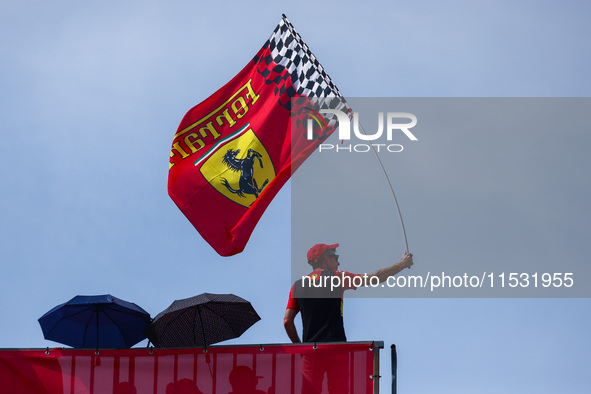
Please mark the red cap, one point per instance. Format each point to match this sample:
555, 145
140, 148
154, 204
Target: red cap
317, 251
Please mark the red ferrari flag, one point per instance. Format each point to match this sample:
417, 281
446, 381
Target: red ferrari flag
234, 151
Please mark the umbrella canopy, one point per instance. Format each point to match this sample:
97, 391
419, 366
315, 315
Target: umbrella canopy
201, 320
93, 321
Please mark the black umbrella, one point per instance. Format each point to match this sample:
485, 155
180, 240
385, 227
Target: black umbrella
93, 321
201, 320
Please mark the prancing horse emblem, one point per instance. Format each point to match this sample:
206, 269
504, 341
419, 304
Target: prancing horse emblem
247, 184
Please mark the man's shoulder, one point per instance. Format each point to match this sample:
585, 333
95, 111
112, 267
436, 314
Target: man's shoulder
345, 273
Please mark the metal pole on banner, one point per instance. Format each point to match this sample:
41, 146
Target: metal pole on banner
394, 367
376, 367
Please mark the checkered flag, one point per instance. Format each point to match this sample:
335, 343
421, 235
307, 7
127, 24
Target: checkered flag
291, 65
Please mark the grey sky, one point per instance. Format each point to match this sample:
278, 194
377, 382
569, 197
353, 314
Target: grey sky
92, 93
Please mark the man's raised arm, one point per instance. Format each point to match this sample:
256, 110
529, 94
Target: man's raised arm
384, 273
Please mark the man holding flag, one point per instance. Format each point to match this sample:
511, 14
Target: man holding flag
321, 305
320, 302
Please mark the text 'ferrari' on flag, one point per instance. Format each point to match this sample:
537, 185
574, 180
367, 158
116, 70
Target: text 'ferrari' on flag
234, 151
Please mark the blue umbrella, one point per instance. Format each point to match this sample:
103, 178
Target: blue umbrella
93, 321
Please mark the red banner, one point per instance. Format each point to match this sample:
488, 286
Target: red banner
264, 369
232, 153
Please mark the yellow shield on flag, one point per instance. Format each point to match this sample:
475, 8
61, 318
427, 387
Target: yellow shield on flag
240, 169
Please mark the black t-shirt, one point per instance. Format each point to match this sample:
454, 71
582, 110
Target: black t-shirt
321, 309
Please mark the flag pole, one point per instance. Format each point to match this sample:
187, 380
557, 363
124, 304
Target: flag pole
391, 190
